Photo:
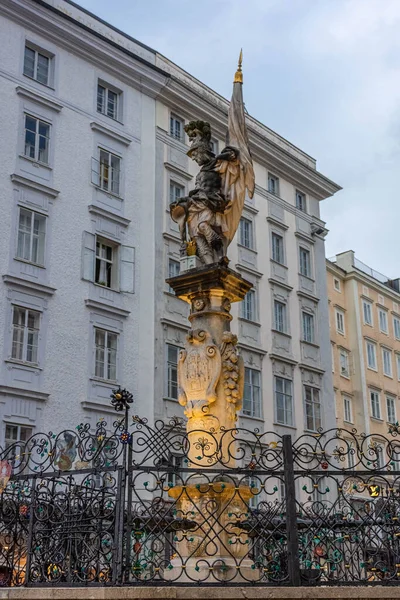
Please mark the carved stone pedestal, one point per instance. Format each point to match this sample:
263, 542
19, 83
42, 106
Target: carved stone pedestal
210, 370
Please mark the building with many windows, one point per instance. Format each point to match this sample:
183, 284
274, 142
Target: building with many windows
364, 314
93, 152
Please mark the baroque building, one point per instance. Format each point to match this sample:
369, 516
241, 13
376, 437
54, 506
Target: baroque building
364, 315
93, 153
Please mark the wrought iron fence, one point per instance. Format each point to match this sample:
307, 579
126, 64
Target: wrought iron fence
135, 504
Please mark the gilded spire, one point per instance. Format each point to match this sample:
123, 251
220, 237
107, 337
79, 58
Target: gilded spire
239, 75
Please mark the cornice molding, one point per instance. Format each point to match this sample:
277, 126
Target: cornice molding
163, 136
171, 237
35, 96
308, 296
114, 310
170, 323
278, 357
102, 212
34, 185
307, 367
99, 406
40, 288
250, 208
303, 236
290, 208
281, 284
277, 222
22, 393
118, 136
178, 170
252, 349
249, 270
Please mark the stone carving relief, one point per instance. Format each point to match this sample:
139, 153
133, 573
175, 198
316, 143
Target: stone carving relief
232, 373
199, 369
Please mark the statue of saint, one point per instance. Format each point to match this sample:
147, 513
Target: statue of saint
209, 216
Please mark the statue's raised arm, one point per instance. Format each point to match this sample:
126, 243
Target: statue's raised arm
209, 216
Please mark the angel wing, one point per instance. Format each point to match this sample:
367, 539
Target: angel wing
238, 174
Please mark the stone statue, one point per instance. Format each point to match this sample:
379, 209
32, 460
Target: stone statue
209, 216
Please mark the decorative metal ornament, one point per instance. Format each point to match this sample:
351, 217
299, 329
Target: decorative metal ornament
121, 399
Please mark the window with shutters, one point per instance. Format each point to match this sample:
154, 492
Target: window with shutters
108, 263
38, 64
283, 401
25, 334
31, 236
252, 393
106, 348
280, 316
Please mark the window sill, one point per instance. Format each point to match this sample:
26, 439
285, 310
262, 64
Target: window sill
29, 262
35, 162
377, 419
23, 363
281, 333
249, 321
171, 399
45, 85
276, 424
388, 376
111, 194
372, 369
340, 332
345, 377
110, 382
348, 422
307, 277
310, 343
278, 263
241, 415
247, 248
108, 117
105, 287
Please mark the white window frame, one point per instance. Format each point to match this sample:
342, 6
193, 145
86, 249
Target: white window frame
301, 203
109, 176
280, 316
273, 184
252, 393
173, 121
391, 409
347, 409
25, 339
305, 267
339, 319
308, 329
383, 320
344, 368
398, 366
106, 364
17, 442
367, 313
336, 284
43, 53
375, 401
101, 262
315, 408
373, 366
277, 248
31, 239
248, 306
123, 277
174, 268
174, 186
387, 362
246, 233
102, 108
396, 327
38, 136
171, 367
287, 406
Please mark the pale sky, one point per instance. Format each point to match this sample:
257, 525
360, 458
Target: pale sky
324, 74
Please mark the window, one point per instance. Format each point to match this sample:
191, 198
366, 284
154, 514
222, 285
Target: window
246, 233
305, 262
31, 236
391, 409
371, 355
174, 268
375, 405
176, 128
25, 338
280, 316
273, 184
396, 327
176, 191
367, 312
277, 248
283, 401
16, 436
383, 324
36, 65
344, 363
308, 327
380, 456
108, 101
106, 354
172, 371
301, 201
110, 172
336, 284
214, 146
339, 321
333, 357
381, 300
398, 366
313, 408
252, 393
37, 139
248, 306
106, 264
350, 455
347, 410
387, 362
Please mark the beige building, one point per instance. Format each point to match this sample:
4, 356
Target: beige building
364, 316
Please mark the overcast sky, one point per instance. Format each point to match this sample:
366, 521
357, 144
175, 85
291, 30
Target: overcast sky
325, 74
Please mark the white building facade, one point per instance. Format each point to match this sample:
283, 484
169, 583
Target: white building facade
93, 151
